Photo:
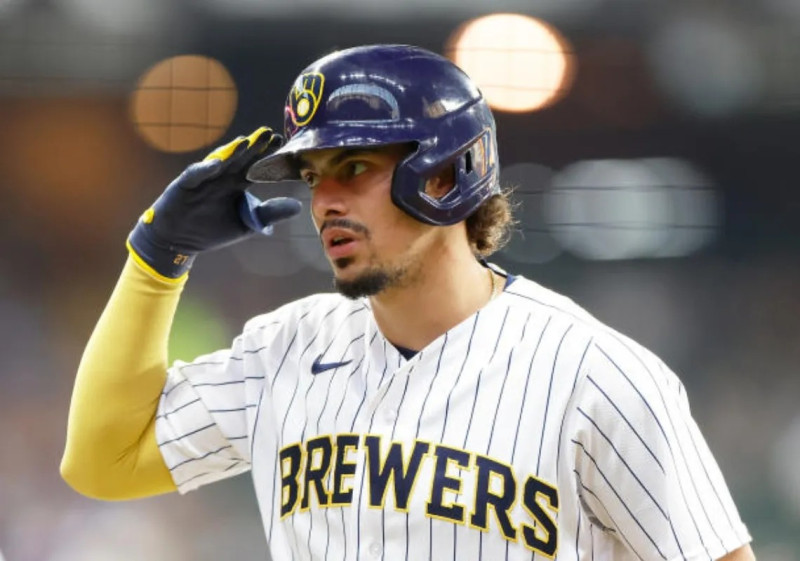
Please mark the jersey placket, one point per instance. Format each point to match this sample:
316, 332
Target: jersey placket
378, 419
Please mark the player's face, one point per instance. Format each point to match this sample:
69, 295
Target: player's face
371, 244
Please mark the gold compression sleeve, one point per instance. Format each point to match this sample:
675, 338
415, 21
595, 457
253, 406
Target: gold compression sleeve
111, 451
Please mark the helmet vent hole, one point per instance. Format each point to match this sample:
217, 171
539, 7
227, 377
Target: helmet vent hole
468, 162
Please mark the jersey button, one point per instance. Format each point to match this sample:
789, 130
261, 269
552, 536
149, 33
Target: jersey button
375, 550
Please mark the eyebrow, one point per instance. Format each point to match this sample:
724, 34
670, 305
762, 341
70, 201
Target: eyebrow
302, 163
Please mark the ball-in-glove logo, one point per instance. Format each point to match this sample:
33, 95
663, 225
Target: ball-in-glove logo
305, 98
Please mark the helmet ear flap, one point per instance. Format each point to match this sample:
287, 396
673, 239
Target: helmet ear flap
475, 179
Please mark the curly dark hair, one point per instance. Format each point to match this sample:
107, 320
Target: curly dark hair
489, 227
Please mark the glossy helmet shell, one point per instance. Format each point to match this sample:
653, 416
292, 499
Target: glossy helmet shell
388, 94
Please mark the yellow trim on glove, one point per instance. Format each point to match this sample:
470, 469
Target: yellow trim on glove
111, 451
152, 272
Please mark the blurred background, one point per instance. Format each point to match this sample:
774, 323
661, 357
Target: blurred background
653, 147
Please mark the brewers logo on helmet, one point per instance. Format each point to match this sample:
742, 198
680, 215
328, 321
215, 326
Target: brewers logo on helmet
304, 99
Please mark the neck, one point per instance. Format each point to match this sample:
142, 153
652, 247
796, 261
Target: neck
450, 287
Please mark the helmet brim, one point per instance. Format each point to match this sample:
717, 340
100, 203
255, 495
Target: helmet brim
282, 164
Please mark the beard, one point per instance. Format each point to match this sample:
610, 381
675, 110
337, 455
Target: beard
369, 283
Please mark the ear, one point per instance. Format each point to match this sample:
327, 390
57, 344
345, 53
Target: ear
441, 184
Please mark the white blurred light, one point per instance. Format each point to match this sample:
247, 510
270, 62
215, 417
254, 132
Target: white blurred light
631, 209
120, 16
531, 241
695, 210
707, 66
518, 62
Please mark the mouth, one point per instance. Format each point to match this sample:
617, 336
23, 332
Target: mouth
339, 243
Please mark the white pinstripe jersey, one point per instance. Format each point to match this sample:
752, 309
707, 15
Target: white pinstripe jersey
529, 430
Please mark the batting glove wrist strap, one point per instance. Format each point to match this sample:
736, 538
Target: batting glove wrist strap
207, 207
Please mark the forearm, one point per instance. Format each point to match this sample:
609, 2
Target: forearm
111, 451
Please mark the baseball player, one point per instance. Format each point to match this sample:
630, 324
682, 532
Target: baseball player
435, 406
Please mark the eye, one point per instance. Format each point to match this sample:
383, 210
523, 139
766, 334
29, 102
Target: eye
354, 168
358, 168
311, 179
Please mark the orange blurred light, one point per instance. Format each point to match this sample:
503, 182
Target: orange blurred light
184, 103
519, 63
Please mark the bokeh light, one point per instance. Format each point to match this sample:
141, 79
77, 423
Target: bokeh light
519, 63
184, 103
632, 209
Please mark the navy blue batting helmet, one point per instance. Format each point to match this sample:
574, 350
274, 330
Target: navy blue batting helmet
387, 94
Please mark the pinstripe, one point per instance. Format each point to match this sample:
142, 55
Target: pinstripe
700, 461
661, 428
363, 477
669, 445
394, 428
578, 530
352, 426
627, 422
255, 428
294, 394
497, 410
636, 389
204, 363
461, 371
314, 379
322, 412
547, 401
621, 500
569, 400
190, 433
638, 480
166, 392
472, 412
628, 467
525, 391
419, 423
199, 475
617, 529
503, 386
206, 455
178, 408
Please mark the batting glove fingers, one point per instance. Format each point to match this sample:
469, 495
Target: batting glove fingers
207, 207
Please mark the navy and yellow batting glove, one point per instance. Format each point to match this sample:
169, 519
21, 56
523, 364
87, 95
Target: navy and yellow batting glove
207, 207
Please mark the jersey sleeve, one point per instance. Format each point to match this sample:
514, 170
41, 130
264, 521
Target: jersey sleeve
201, 425
644, 473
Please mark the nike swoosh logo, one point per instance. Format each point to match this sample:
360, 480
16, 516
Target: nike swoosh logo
318, 367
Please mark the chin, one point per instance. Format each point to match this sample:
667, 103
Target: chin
361, 284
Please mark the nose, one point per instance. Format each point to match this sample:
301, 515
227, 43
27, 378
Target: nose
328, 199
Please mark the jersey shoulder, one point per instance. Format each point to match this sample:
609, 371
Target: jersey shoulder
608, 346
293, 316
